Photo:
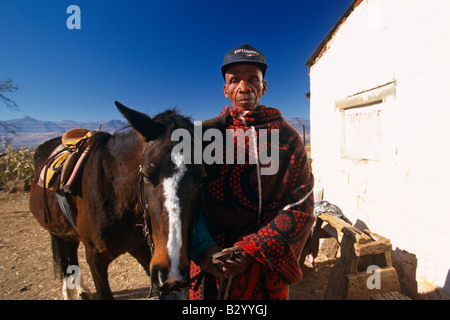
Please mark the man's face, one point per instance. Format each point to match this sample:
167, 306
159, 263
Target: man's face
244, 86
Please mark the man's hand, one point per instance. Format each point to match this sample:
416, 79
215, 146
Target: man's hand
206, 262
236, 262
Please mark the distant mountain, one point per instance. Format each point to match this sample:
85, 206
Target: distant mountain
31, 132
29, 124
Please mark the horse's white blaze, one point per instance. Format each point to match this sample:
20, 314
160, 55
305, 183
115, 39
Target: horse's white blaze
172, 204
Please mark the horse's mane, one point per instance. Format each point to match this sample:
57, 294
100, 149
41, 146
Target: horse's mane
99, 139
173, 120
219, 122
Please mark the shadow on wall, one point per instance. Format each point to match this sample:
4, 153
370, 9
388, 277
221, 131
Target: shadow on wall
405, 264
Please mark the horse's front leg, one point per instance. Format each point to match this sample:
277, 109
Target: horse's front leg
99, 270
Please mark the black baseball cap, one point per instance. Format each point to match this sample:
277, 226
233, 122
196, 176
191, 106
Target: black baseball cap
244, 54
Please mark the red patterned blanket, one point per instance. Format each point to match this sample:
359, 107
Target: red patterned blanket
269, 216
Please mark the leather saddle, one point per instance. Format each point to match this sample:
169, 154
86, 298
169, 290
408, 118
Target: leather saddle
64, 165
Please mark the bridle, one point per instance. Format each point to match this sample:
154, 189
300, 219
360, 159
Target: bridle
147, 231
147, 227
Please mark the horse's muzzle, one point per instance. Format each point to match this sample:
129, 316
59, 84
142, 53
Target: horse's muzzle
164, 284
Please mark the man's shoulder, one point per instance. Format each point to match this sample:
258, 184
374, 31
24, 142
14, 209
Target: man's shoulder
284, 124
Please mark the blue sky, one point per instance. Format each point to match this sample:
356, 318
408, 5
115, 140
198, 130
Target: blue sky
153, 55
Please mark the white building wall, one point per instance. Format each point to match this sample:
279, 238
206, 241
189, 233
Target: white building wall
405, 194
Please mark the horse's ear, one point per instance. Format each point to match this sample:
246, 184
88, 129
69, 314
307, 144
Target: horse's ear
142, 123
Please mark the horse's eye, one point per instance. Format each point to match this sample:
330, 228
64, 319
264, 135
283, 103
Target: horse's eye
146, 180
151, 177
150, 174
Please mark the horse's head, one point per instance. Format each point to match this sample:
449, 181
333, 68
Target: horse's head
169, 192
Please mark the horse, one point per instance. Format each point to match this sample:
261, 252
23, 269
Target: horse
131, 182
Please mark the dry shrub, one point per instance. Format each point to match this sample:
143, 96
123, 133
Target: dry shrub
16, 164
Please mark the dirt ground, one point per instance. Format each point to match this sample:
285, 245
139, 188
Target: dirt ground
26, 268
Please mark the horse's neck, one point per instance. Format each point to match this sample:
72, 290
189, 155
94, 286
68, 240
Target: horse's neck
125, 141
125, 151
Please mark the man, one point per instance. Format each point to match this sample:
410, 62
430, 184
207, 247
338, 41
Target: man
262, 221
